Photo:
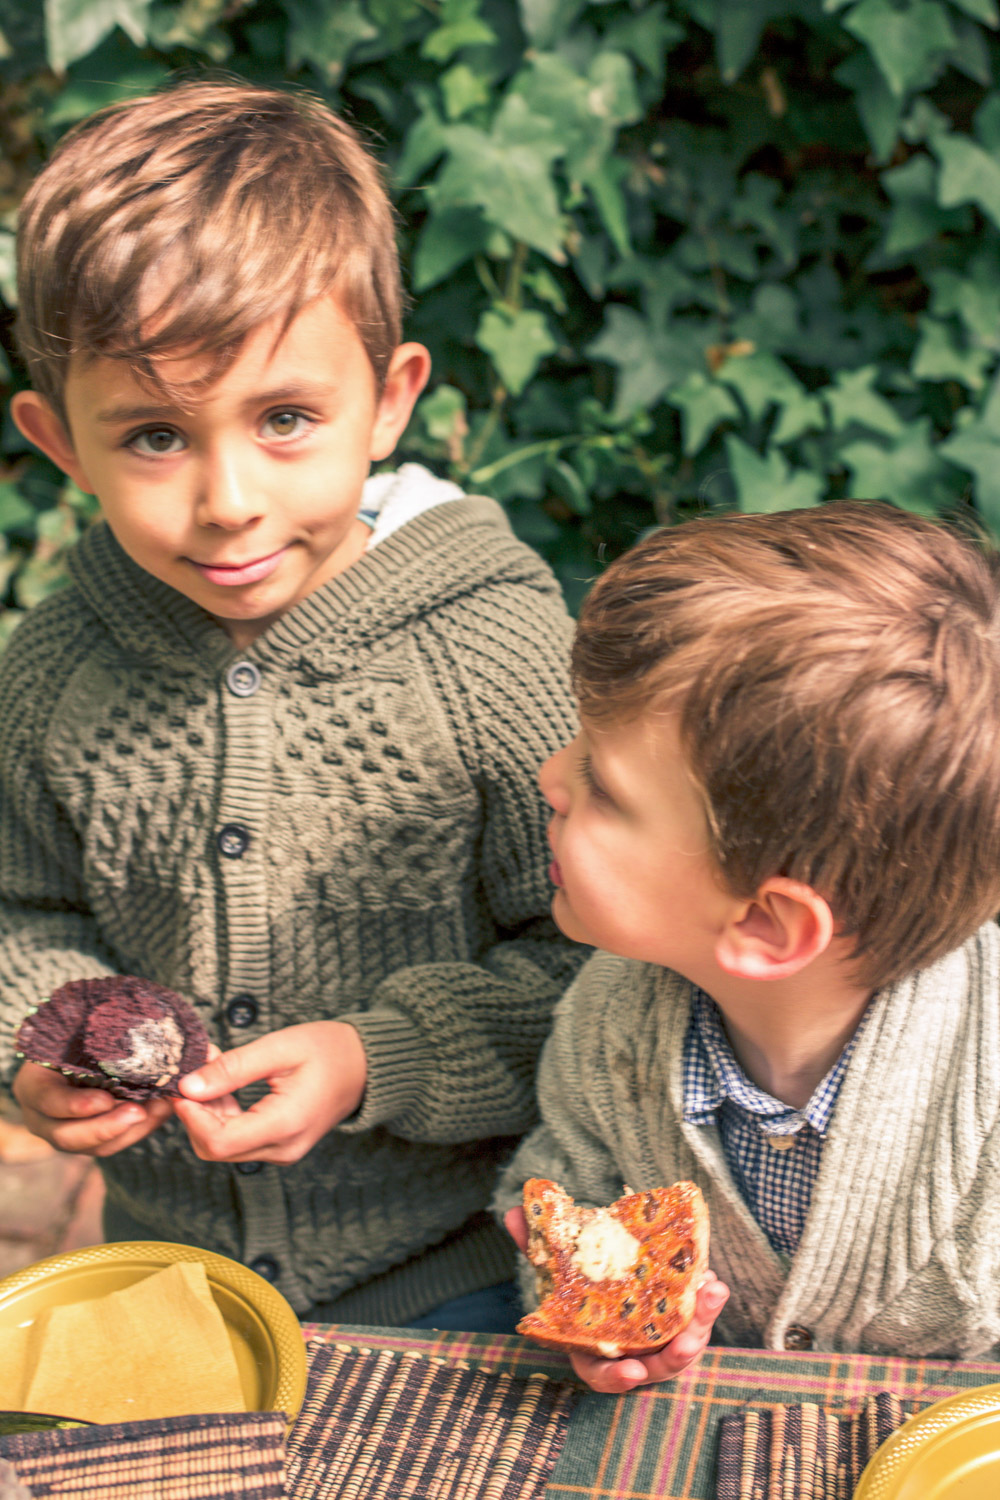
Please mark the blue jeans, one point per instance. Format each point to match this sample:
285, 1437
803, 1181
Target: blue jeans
495, 1309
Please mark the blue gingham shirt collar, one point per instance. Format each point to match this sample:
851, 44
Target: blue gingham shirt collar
712, 1075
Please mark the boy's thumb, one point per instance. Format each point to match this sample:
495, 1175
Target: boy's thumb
196, 1085
224, 1073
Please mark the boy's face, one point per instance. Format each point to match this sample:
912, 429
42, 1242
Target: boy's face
633, 865
246, 498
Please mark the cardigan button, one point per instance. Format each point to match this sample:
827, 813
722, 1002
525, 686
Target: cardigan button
266, 1266
243, 679
242, 1010
247, 1168
797, 1337
233, 840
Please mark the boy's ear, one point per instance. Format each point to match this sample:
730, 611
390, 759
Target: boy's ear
408, 373
40, 425
777, 933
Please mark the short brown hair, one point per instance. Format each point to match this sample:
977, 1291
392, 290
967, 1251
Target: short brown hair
837, 675
185, 219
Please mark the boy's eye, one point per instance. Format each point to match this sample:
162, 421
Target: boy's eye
590, 781
156, 440
284, 424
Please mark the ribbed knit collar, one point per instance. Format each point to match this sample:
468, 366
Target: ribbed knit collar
440, 555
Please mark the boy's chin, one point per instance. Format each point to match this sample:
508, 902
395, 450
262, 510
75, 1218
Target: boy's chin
568, 926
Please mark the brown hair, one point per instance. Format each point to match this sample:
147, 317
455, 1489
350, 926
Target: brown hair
185, 219
837, 674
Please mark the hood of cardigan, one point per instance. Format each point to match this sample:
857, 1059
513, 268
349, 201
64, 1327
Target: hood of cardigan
447, 548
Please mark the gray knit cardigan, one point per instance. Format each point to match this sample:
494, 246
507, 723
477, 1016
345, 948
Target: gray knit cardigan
384, 862
901, 1249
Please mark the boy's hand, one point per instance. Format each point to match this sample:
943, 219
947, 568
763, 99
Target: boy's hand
316, 1075
516, 1226
614, 1376
89, 1121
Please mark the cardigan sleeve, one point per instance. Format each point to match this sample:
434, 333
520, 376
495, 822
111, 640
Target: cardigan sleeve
569, 1146
47, 934
452, 1047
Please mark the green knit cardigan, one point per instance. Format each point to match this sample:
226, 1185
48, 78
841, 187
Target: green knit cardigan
349, 825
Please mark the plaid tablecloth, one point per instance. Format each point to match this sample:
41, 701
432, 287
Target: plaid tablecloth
658, 1443
661, 1443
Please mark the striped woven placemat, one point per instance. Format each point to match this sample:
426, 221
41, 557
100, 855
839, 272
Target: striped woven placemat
802, 1452
226, 1456
380, 1424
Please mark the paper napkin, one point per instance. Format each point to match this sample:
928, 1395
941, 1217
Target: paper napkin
157, 1348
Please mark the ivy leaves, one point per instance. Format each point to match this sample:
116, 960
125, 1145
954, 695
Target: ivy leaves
506, 173
75, 27
667, 256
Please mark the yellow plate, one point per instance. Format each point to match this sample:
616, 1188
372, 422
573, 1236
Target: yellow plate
950, 1451
34, 1421
263, 1330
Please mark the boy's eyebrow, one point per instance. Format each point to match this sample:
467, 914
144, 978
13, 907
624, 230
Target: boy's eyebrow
292, 393
125, 413
160, 412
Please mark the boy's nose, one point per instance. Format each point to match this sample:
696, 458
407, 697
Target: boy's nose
552, 780
227, 497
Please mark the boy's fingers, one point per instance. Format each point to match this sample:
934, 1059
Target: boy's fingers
47, 1093
517, 1227
132, 1128
692, 1341
713, 1295
615, 1376
106, 1134
244, 1135
229, 1071
674, 1357
83, 1121
74, 1104
224, 1108
611, 1377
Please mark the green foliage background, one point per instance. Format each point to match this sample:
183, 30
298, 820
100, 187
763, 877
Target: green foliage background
668, 257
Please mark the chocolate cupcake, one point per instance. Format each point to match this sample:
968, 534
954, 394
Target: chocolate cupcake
123, 1034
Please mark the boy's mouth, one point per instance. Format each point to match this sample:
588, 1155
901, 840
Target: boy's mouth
554, 872
230, 575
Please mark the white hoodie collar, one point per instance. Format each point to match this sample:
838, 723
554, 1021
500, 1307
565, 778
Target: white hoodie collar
389, 500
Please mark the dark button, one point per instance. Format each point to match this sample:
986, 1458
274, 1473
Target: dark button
248, 1167
266, 1266
242, 1010
233, 840
243, 679
797, 1337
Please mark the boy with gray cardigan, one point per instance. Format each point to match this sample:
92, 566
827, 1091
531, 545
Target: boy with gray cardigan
275, 745
780, 822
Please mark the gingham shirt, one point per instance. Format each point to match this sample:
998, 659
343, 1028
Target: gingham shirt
772, 1150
